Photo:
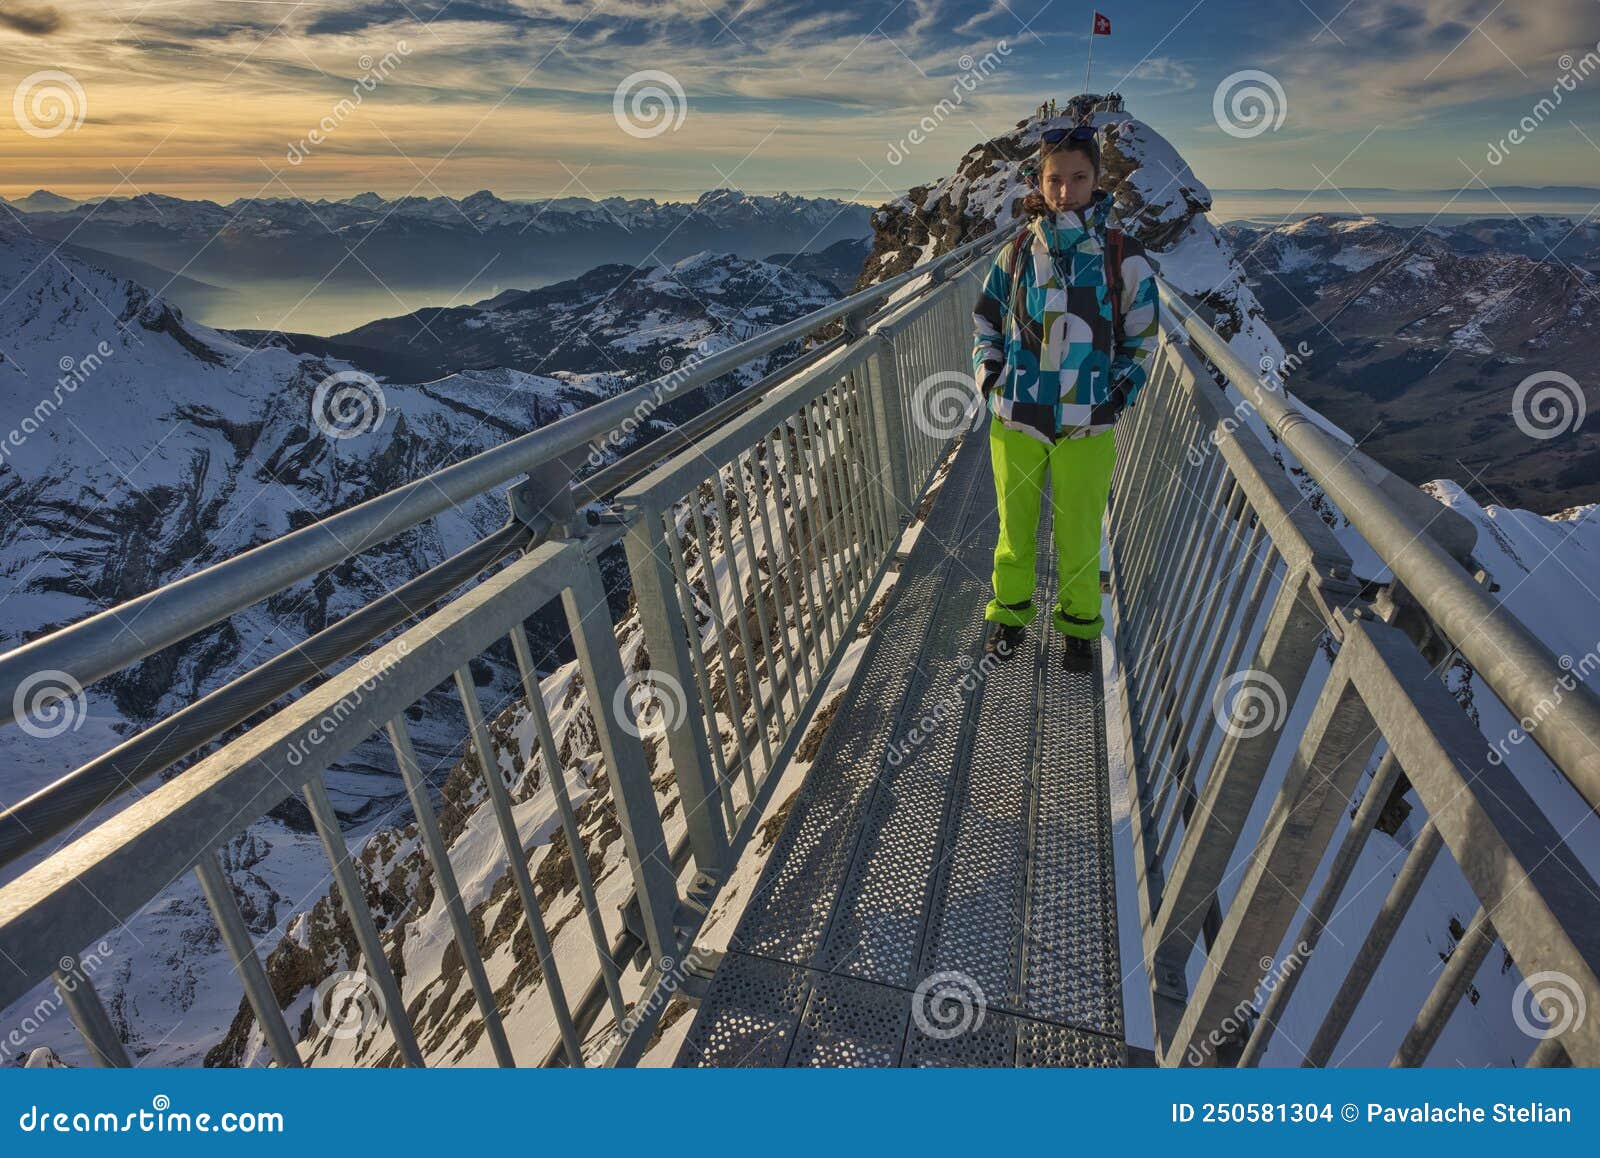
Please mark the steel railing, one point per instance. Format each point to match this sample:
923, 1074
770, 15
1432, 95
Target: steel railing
1230, 593
753, 538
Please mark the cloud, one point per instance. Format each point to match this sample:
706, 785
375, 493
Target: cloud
1173, 75
32, 21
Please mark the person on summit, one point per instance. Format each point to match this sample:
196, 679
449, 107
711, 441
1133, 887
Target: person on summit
1063, 328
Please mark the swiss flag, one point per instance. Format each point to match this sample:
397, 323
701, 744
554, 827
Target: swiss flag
1102, 25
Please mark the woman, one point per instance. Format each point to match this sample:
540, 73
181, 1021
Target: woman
1063, 330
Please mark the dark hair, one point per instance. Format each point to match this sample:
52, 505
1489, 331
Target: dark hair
1034, 204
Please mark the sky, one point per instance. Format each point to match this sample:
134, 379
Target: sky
533, 98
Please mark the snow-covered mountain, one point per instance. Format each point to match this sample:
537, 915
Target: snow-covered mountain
412, 241
1417, 338
635, 321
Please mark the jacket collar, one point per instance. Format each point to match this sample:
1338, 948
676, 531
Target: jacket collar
1065, 230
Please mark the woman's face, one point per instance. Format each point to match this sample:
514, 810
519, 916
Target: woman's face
1067, 180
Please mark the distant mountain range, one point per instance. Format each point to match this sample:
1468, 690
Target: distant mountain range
413, 241
1509, 192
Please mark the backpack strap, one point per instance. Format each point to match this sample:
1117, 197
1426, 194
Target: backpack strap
1114, 248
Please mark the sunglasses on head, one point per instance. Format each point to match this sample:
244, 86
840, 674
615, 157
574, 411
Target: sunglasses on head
1076, 133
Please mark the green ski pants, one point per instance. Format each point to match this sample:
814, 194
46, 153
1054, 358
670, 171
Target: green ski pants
1080, 481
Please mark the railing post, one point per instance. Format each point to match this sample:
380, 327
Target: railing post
883, 376
661, 617
594, 637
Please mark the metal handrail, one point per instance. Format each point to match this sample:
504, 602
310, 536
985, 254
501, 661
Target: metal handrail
1514, 662
116, 638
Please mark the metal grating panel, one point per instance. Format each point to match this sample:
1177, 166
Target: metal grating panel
750, 1015
1040, 1044
800, 884
851, 1023
1072, 969
978, 920
975, 856
989, 1041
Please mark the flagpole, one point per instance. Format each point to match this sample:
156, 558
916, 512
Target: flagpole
1088, 68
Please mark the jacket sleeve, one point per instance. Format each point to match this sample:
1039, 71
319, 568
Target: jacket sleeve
1140, 325
988, 324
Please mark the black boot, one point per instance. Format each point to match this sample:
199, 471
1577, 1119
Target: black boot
1005, 640
1077, 654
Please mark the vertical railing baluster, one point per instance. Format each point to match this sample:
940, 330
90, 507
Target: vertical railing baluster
366, 929
533, 693
241, 947
455, 908
730, 677
702, 673
742, 619
511, 838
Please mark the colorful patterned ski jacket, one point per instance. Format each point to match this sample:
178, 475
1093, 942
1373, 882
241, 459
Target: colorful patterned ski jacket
1045, 357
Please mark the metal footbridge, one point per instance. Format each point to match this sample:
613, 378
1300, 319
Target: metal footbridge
807, 560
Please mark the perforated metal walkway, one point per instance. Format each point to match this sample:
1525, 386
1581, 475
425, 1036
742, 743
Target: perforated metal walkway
942, 891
